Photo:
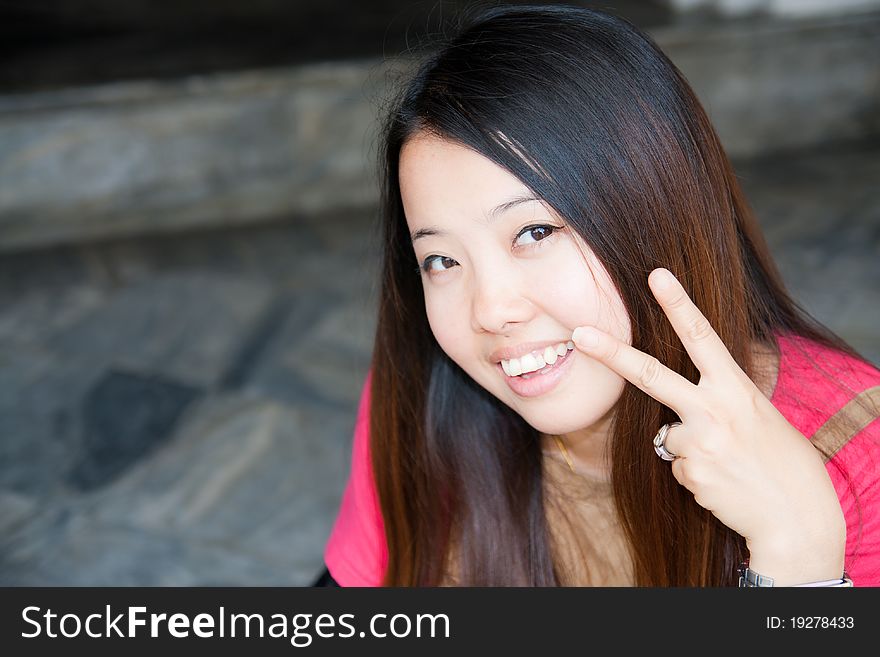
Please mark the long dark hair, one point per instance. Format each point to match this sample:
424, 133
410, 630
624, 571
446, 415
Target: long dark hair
588, 112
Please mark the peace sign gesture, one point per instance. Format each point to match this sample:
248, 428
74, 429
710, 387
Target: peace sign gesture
736, 453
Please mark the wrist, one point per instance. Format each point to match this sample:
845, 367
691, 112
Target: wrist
794, 558
795, 567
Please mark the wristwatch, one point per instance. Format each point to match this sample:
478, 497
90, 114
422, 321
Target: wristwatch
749, 578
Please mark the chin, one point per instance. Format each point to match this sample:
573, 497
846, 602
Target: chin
553, 419
555, 425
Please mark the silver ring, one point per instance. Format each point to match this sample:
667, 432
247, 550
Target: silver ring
660, 438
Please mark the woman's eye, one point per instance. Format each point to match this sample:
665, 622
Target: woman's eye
537, 233
427, 265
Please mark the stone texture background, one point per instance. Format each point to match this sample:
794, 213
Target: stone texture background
247, 147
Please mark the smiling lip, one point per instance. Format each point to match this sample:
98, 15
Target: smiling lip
539, 384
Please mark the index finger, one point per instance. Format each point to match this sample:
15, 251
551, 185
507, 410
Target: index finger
700, 340
642, 370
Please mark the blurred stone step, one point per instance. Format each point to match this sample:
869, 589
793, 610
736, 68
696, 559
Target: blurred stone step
239, 148
244, 494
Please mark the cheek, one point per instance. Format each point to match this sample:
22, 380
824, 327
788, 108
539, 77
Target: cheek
447, 324
619, 324
583, 294
569, 295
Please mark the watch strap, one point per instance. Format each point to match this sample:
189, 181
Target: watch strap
749, 578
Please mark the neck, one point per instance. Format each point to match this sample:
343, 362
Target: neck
586, 449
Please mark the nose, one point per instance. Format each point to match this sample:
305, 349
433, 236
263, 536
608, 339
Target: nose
499, 302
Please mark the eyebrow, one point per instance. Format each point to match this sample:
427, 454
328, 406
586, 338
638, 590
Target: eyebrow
493, 215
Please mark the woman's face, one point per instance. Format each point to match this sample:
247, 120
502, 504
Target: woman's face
507, 278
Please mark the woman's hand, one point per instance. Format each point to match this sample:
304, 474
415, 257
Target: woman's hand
735, 452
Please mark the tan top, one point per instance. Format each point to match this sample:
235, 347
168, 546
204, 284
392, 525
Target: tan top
585, 532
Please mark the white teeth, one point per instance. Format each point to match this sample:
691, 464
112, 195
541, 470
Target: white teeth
536, 360
529, 363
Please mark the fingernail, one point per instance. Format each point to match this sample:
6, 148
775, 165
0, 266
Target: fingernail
585, 336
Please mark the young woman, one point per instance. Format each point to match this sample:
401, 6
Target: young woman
587, 370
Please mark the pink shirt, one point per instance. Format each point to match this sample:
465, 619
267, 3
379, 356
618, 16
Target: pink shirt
356, 553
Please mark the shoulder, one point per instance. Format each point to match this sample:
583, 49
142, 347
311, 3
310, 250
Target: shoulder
814, 383
356, 553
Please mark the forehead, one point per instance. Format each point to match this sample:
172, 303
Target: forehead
442, 182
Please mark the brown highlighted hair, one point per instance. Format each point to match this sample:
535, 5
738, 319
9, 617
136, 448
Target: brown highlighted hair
588, 112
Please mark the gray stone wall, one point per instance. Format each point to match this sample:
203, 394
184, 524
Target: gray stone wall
242, 148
